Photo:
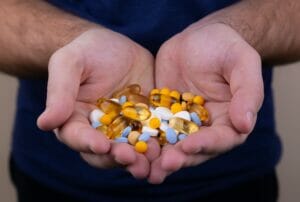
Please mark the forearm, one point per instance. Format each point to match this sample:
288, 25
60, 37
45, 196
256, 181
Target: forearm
31, 31
270, 26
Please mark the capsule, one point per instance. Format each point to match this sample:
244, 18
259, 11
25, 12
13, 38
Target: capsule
201, 111
137, 113
115, 129
134, 88
162, 139
137, 98
183, 126
161, 100
109, 106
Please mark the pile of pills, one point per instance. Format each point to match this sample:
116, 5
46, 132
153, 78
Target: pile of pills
130, 117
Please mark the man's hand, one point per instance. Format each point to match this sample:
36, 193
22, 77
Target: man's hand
213, 61
94, 65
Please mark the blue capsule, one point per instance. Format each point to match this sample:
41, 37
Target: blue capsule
144, 137
126, 131
195, 118
122, 99
171, 136
181, 136
121, 140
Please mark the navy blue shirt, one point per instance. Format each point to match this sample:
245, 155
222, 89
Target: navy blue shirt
149, 23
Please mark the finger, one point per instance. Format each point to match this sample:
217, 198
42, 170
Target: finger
212, 140
123, 153
159, 170
246, 86
140, 167
99, 161
153, 149
80, 136
64, 77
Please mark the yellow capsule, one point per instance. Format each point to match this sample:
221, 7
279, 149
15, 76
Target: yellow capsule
108, 106
159, 100
134, 88
184, 106
141, 147
201, 111
198, 100
165, 91
127, 104
136, 113
154, 123
187, 96
106, 119
115, 129
137, 98
133, 137
176, 107
183, 126
175, 94
165, 101
141, 105
154, 91
135, 125
102, 129
162, 140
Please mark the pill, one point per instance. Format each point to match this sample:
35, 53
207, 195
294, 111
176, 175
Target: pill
134, 88
121, 140
115, 100
141, 147
154, 91
181, 136
106, 119
108, 106
163, 112
171, 136
165, 91
183, 126
116, 127
144, 137
96, 124
176, 107
162, 138
195, 118
164, 126
122, 99
133, 137
154, 123
95, 115
183, 114
136, 113
137, 98
103, 129
201, 111
187, 96
175, 94
126, 131
151, 131
127, 104
198, 100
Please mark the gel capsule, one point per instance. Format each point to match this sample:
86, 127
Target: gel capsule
116, 128
201, 111
134, 88
137, 113
161, 100
183, 126
109, 106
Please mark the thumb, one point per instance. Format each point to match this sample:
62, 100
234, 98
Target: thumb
247, 88
64, 76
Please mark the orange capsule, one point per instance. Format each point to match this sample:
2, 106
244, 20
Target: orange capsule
115, 129
183, 126
108, 106
201, 111
134, 88
137, 113
137, 98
